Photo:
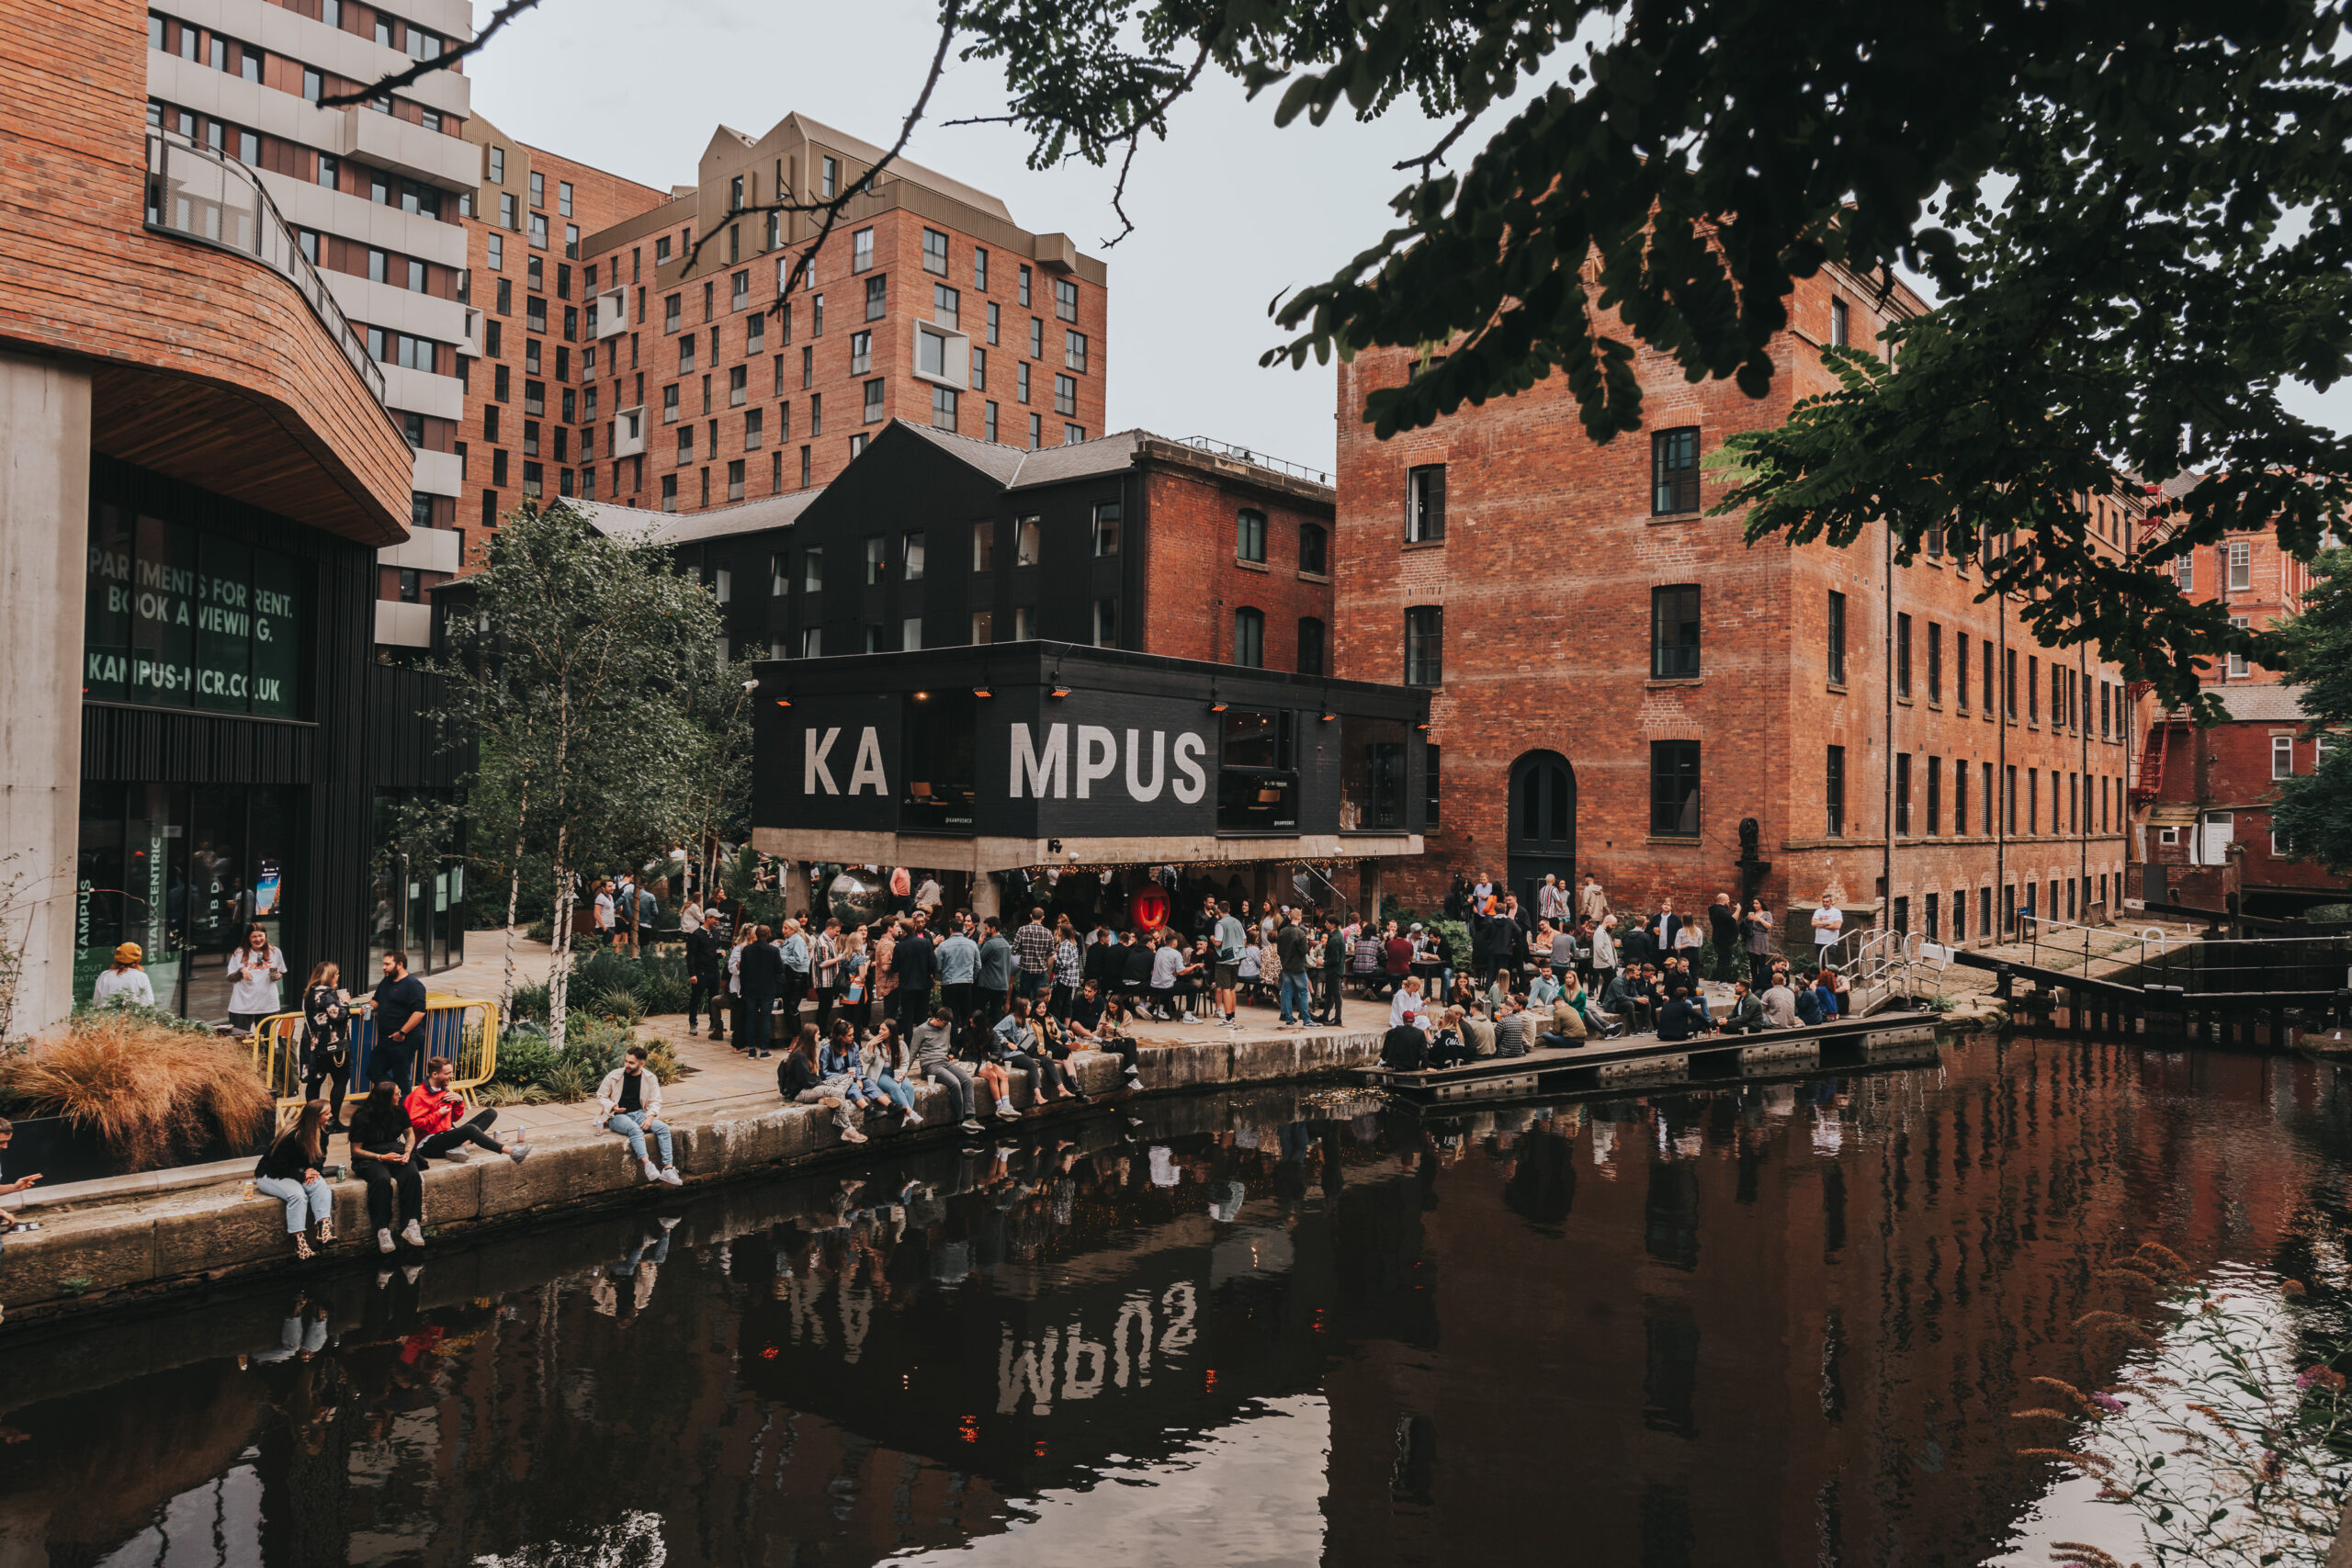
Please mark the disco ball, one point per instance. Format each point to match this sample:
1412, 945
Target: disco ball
857, 900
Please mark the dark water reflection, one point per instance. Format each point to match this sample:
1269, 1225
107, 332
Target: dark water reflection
1775, 1325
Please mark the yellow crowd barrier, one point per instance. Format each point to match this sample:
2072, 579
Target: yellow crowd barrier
461, 1028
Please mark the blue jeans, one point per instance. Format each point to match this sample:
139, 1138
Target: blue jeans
634, 1125
899, 1090
303, 1204
1294, 988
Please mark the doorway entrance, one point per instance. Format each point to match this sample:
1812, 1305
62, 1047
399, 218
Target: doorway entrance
1542, 837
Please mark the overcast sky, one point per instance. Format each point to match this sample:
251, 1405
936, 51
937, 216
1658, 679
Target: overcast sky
1228, 211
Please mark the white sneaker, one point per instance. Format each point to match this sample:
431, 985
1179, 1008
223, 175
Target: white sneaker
458, 1156
852, 1135
383, 1241
518, 1153
652, 1171
1007, 1113
412, 1234
912, 1119
669, 1174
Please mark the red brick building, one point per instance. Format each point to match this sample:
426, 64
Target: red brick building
1620, 681
520, 436
2203, 794
737, 370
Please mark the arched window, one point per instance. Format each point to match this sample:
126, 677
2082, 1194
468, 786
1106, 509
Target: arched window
1310, 646
1249, 638
1543, 794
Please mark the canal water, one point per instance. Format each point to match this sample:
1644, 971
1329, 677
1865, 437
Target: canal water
1780, 1322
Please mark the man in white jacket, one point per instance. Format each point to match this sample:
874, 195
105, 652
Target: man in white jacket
629, 1102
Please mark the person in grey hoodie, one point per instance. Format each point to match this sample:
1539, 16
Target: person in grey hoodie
933, 1046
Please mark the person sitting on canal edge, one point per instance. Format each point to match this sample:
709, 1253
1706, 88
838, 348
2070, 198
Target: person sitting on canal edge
400, 1019
1405, 1049
1745, 1015
433, 1109
1094, 1024
933, 1045
1449, 1049
628, 1103
10, 1188
802, 1082
383, 1146
1780, 1001
1681, 1018
840, 1061
289, 1172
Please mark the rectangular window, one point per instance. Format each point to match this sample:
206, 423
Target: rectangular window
1674, 789
1074, 352
2009, 684
1036, 338
817, 312
1021, 383
2238, 667
1313, 550
754, 428
993, 321
1935, 796
1249, 536
1959, 670
739, 390
1425, 504
2104, 692
1902, 793
2010, 806
735, 480
829, 174
1985, 805
873, 401
1025, 541
878, 559
979, 370
934, 251
1674, 472
1425, 645
877, 298
1065, 298
1036, 429
815, 420
1839, 325
989, 425
1959, 798
984, 547
2241, 566
943, 408
1834, 640
1021, 294
2184, 572
1674, 633
861, 352
2033, 690
1986, 693
2282, 756
1832, 794
946, 306
1072, 434
1903, 655
2033, 799
1106, 528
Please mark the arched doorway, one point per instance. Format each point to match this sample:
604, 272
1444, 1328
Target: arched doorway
1542, 835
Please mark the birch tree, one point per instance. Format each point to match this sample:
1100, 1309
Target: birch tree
578, 676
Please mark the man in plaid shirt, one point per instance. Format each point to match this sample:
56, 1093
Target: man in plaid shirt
1032, 944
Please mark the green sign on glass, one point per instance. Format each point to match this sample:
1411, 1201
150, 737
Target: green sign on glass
176, 618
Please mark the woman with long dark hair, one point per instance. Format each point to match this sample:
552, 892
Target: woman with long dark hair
383, 1146
255, 970
289, 1173
326, 1039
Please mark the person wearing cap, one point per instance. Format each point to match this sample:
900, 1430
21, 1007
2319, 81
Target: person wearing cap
125, 983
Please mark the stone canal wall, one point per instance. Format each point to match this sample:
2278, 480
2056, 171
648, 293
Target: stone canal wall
87, 1256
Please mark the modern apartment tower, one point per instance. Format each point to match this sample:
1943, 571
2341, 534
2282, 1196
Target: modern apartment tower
376, 194
740, 370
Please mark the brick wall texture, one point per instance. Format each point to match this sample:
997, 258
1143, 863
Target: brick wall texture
1196, 582
1546, 575
79, 276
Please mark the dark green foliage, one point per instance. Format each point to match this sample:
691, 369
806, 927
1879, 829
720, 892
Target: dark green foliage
2314, 809
2133, 216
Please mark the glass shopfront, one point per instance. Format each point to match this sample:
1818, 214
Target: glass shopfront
185, 871
179, 618
418, 892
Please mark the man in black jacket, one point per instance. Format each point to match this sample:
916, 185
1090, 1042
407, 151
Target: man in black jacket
911, 963
759, 973
1405, 1049
1723, 929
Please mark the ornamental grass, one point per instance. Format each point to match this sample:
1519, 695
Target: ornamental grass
153, 1094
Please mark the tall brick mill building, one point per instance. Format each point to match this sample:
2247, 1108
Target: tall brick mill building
1619, 681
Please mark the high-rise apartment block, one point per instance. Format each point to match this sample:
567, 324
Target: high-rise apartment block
531, 396
719, 365
375, 194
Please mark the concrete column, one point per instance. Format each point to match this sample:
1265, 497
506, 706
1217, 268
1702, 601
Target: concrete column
1369, 876
44, 535
796, 892
988, 896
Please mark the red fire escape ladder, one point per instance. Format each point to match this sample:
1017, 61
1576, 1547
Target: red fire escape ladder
2151, 779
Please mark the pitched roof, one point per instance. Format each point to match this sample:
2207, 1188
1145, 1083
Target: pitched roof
900, 168
1016, 467
2268, 703
673, 528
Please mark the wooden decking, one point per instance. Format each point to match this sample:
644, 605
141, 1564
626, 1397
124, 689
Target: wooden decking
1644, 1060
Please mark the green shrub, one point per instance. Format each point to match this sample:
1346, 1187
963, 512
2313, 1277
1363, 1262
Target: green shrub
523, 1057
529, 1004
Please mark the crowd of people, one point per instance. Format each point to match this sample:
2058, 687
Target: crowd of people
1574, 968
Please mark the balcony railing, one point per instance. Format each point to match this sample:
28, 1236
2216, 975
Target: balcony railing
200, 194
1247, 454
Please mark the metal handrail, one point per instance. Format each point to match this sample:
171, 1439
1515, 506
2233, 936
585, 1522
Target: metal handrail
461, 1028
1250, 455
2146, 935
198, 193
